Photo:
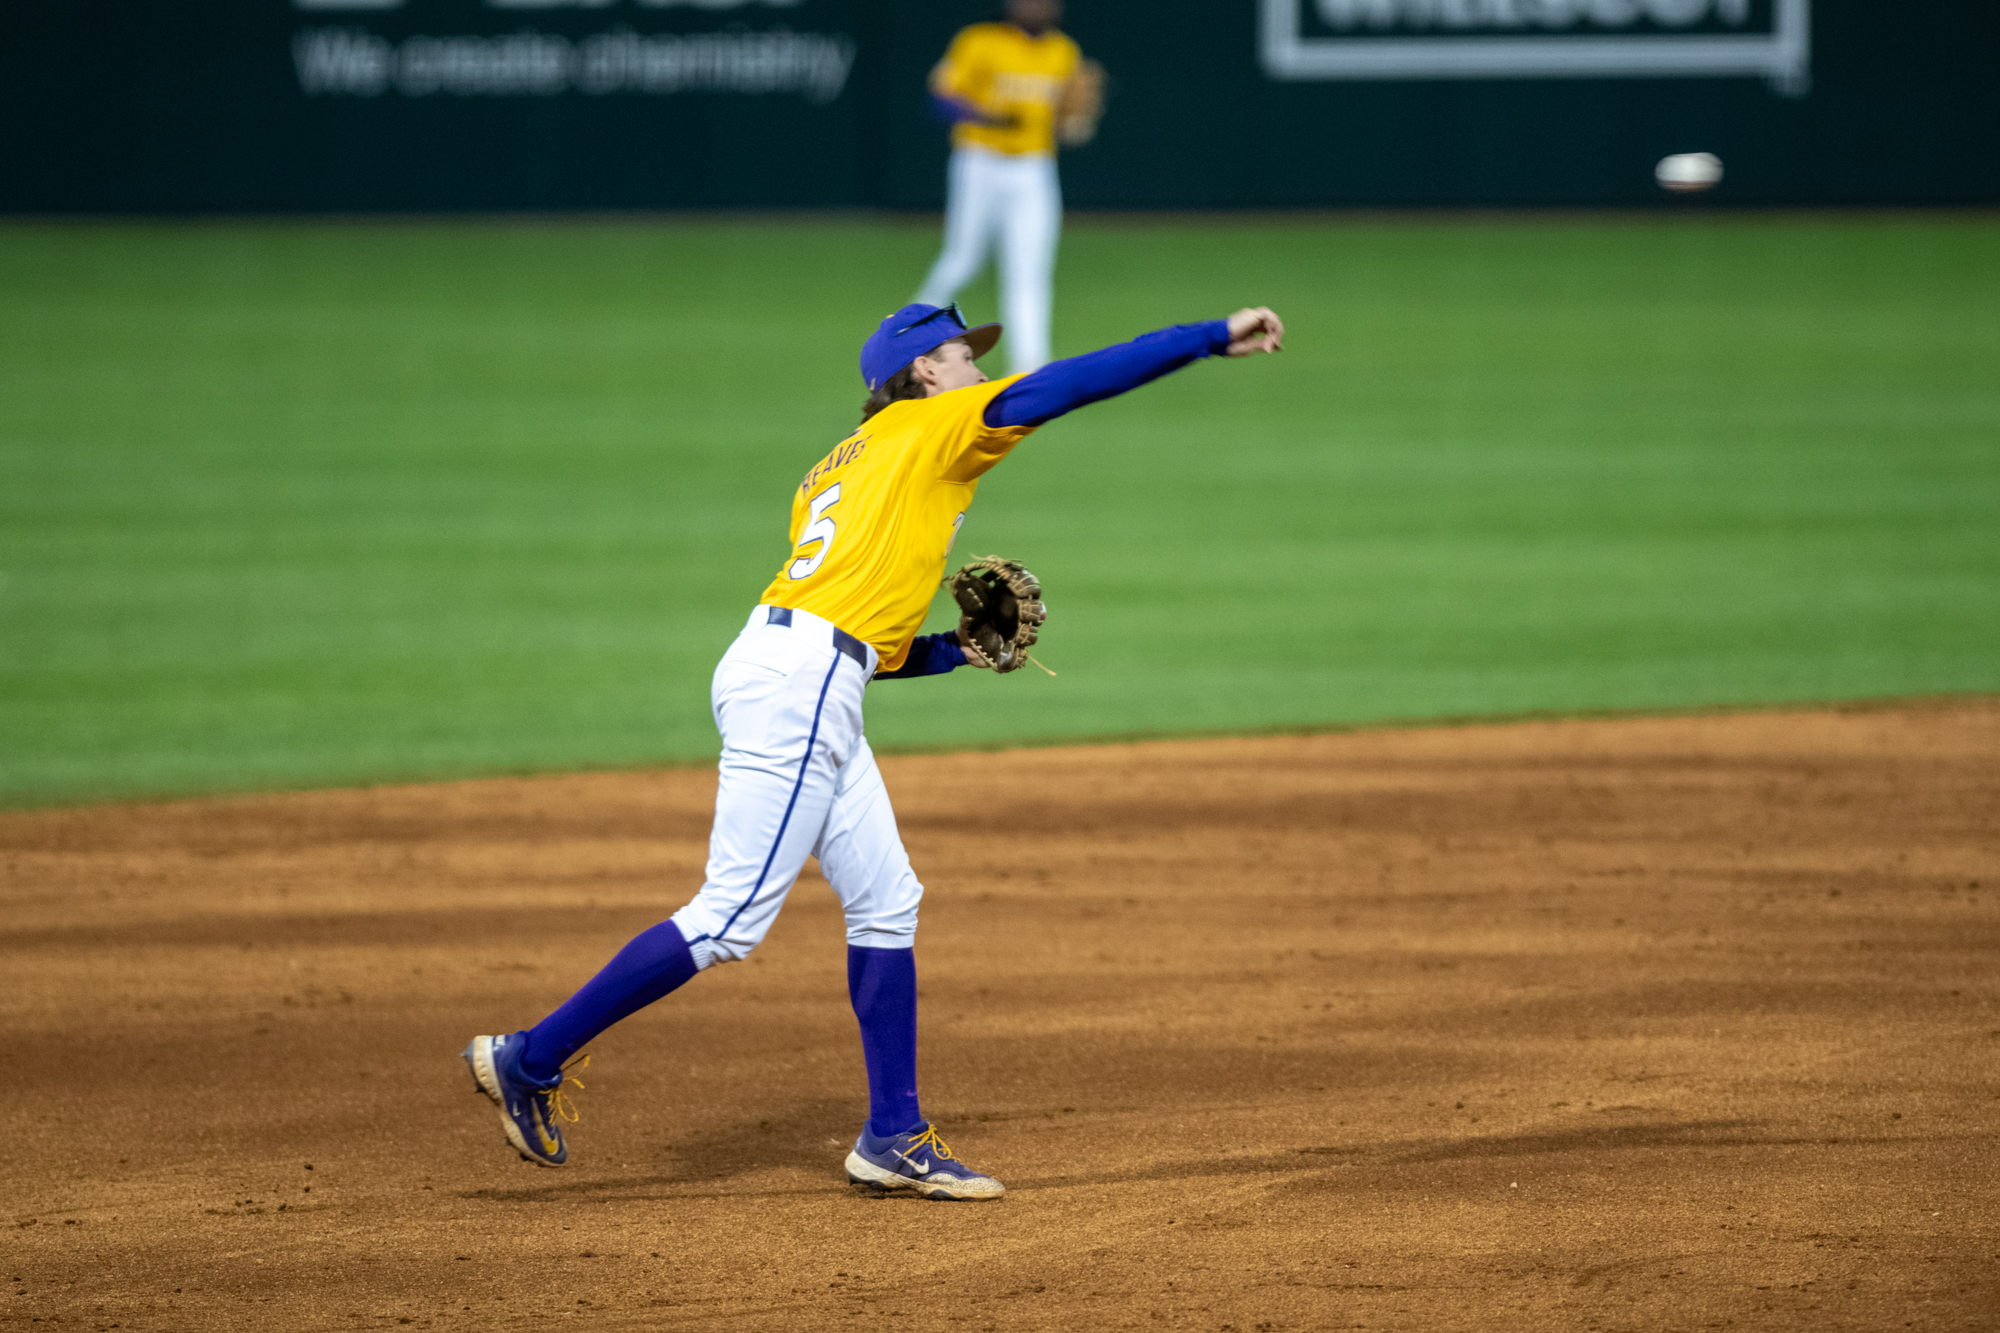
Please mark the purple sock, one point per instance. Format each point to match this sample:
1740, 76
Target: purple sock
883, 985
655, 962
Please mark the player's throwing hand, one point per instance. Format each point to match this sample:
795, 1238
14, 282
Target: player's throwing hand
1255, 329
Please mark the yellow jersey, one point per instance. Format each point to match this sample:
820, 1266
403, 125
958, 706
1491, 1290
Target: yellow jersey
1003, 71
873, 521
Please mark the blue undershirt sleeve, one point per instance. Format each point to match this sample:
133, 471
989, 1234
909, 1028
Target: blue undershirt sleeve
1064, 386
954, 112
930, 655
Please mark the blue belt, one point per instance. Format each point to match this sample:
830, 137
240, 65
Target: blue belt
845, 642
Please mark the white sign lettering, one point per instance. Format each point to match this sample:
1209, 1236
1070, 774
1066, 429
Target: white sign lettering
344, 62
645, 4
1536, 39
324, 5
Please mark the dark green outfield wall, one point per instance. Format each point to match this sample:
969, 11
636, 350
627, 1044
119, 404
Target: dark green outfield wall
256, 105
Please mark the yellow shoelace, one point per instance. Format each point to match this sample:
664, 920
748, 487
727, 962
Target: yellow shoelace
560, 1105
929, 1139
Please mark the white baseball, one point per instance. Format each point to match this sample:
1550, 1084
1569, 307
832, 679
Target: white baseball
1685, 173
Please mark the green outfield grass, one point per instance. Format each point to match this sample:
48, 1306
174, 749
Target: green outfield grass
302, 504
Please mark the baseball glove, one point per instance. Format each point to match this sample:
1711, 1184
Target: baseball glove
1081, 105
1000, 610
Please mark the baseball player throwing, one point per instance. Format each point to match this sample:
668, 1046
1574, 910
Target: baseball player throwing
872, 525
1012, 89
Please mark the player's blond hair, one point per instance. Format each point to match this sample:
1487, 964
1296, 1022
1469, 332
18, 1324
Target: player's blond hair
903, 384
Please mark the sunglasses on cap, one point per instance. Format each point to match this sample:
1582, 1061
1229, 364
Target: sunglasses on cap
952, 310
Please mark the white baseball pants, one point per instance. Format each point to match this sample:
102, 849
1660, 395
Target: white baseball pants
797, 780
1016, 198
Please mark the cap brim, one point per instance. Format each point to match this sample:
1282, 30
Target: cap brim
981, 339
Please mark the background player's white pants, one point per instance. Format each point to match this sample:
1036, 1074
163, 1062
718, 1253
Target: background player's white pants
1016, 198
797, 780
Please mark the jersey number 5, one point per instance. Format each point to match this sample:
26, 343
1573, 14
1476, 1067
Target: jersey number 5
820, 528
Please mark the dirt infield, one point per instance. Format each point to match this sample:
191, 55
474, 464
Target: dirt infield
1656, 1024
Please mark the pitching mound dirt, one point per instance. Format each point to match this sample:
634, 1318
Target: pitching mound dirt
1660, 1024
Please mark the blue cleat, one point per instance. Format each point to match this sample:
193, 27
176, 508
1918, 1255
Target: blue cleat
920, 1161
531, 1112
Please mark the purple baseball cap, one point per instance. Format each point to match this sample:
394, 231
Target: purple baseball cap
915, 330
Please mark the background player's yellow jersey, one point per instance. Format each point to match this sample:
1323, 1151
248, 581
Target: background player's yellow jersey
873, 521
1003, 71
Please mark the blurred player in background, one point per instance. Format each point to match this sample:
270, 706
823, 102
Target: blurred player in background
1012, 90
